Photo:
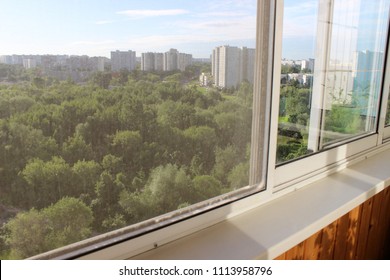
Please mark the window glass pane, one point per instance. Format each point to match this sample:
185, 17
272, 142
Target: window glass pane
115, 112
331, 73
388, 113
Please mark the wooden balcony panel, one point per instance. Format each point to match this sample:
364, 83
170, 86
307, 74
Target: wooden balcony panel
363, 233
313, 246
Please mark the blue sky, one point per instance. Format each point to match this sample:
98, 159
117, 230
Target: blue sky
299, 28
96, 27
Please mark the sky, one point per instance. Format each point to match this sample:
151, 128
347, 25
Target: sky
299, 29
96, 27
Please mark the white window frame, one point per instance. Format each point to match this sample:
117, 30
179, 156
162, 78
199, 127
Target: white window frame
127, 242
384, 130
273, 181
313, 167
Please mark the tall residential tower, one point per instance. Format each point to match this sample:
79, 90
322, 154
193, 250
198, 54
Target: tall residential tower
169, 61
123, 60
232, 65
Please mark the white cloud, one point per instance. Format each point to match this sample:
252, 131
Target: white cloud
232, 4
224, 14
152, 13
228, 28
91, 43
102, 22
91, 48
300, 19
145, 43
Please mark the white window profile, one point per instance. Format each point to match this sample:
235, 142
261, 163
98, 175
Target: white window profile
135, 239
384, 123
336, 52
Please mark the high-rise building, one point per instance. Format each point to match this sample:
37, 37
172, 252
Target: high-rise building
78, 63
183, 61
215, 65
97, 63
229, 63
248, 64
17, 59
6, 59
159, 61
308, 64
123, 60
147, 61
170, 60
366, 80
232, 65
29, 63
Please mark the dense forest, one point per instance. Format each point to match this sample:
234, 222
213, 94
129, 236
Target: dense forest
77, 160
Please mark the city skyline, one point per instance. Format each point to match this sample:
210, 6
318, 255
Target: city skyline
95, 28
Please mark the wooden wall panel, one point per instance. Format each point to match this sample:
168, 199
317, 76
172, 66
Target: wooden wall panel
363, 229
341, 240
296, 253
363, 233
372, 244
312, 246
384, 225
352, 235
328, 241
281, 257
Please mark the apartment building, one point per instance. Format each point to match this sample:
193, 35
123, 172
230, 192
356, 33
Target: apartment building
147, 61
169, 61
123, 60
232, 65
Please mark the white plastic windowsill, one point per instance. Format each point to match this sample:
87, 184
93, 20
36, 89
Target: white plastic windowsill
271, 229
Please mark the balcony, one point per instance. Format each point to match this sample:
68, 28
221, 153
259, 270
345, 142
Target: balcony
345, 215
